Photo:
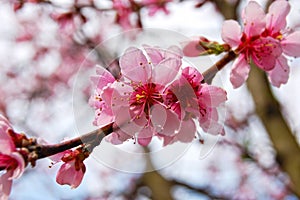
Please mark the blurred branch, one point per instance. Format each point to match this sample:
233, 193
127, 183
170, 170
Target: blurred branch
161, 187
269, 111
228, 10
245, 153
204, 191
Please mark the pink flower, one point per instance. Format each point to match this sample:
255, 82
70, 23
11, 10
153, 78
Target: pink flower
191, 99
262, 41
137, 98
249, 44
73, 169
289, 40
154, 97
10, 160
125, 8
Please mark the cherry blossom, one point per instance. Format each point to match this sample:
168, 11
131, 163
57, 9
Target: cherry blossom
155, 97
191, 100
10, 159
73, 169
137, 99
289, 40
261, 41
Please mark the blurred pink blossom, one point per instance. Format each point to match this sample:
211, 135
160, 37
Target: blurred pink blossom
125, 9
10, 160
156, 5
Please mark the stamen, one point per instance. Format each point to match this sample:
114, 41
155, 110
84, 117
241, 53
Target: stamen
138, 97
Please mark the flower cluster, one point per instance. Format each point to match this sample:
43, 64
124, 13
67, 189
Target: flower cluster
11, 160
155, 96
265, 40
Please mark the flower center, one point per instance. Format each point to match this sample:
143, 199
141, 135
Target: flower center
144, 97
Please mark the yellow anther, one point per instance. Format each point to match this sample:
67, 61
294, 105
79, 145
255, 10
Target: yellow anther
269, 45
138, 97
279, 37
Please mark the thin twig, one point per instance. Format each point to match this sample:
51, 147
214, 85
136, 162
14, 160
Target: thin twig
210, 73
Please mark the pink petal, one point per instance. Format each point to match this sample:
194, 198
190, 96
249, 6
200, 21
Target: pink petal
105, 117
104, 114
135, 66
276, 17
212, 96
168, 140
102, 78
171, 125
209, 122
67, 174
240, 71
57, 157
107, 94
117, 137
231, 33
191, 73
113, 138
119, 95
4, 120
291, 44
173, 52
155, 54
187, 131
192, 48
254, 19
158, 116
145, 136
5, 185
127, 123
280, 74
166, 71
21, 165
6, 144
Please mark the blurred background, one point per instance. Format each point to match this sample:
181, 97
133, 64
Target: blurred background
48, 49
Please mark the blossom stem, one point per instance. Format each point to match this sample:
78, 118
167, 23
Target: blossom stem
94, 138
210, 73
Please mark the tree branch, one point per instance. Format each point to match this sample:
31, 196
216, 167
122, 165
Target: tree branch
210, 73
269, 111
94, 138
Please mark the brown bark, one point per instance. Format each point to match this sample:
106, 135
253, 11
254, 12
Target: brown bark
269, 111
